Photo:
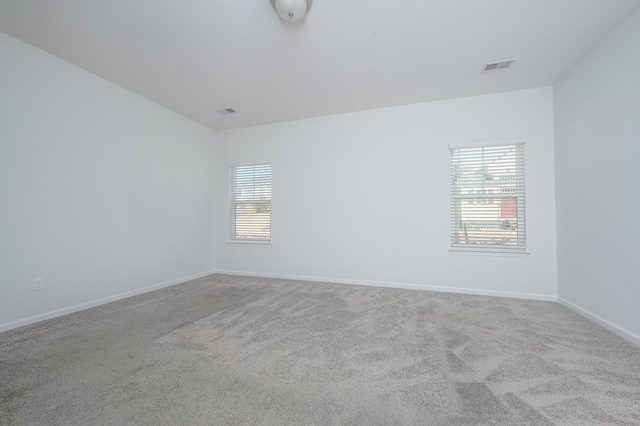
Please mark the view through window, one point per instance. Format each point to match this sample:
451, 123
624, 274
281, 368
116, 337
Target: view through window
250, 202
487, 197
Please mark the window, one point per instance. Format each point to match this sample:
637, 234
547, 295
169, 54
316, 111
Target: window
250, 202
487, 198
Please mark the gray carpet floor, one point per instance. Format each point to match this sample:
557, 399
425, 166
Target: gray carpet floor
225, 350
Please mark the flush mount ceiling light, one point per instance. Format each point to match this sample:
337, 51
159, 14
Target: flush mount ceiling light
292, 10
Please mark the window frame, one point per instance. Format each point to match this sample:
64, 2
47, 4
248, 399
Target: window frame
490, 249
232, 237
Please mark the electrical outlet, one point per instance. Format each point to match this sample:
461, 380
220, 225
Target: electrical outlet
38, 284
455, 265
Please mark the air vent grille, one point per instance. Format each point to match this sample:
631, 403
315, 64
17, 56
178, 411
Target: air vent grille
225, 111
498, 65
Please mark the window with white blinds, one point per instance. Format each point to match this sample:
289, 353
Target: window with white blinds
250, 202
487, 198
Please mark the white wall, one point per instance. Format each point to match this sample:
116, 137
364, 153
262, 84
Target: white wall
364, 197
102, 192
597, 135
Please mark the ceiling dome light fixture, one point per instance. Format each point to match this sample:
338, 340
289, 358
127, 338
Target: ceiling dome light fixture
292, 10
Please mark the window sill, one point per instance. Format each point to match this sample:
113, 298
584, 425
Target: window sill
249, 243
488, 252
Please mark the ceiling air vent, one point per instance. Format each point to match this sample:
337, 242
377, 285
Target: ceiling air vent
498, 65
225, 111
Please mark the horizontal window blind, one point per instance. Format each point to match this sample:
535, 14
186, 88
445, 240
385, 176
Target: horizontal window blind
250, 202
487, 197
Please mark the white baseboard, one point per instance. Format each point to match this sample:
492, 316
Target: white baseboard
625, 334
514, 295
59, 312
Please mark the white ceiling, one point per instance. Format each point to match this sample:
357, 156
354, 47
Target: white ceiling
197, 56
